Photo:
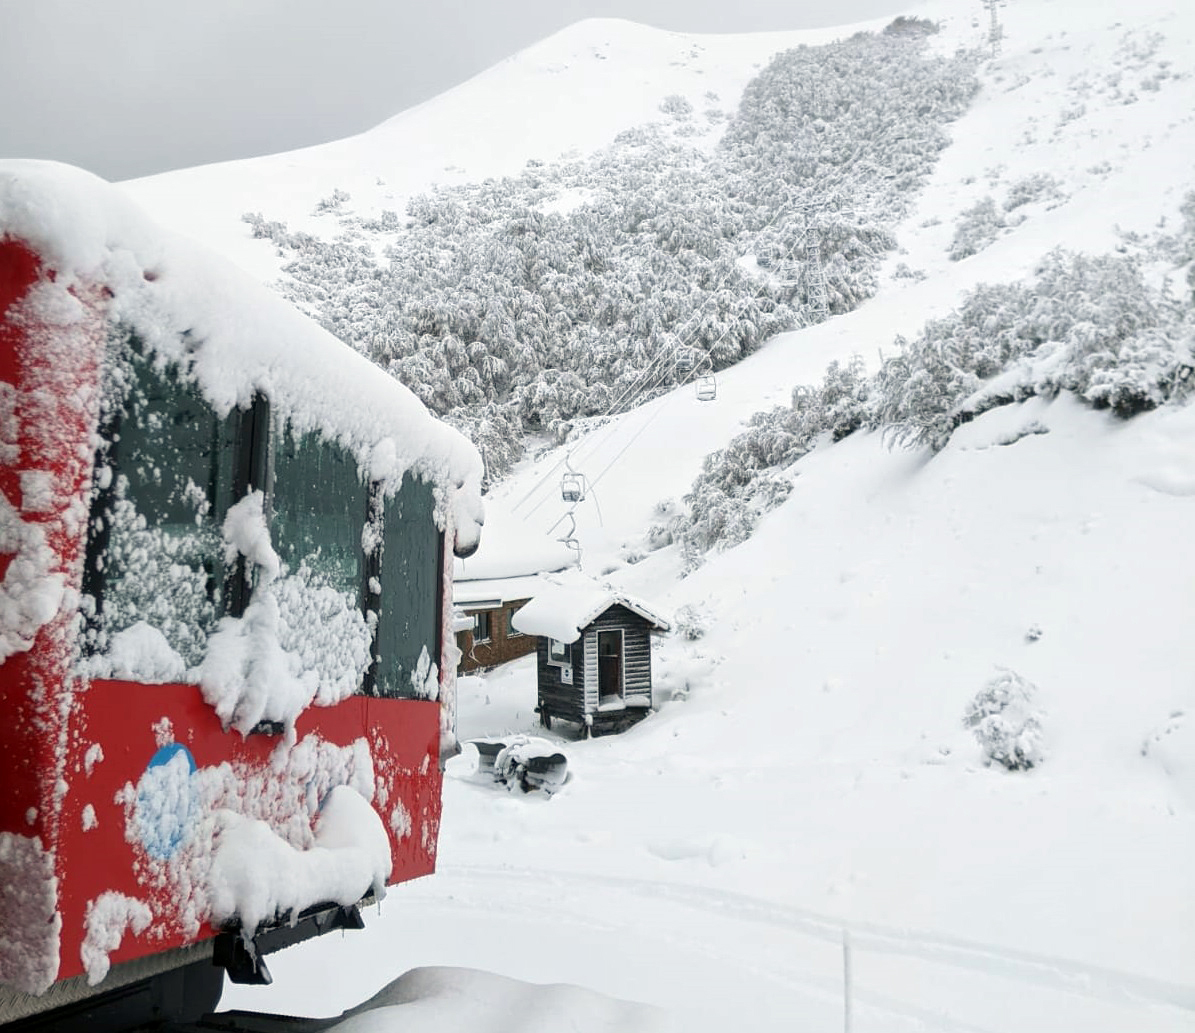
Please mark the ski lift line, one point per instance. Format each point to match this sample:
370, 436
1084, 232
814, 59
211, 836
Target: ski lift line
682, 339
596, 441
804, 208
681, 333
643, 386
705, 367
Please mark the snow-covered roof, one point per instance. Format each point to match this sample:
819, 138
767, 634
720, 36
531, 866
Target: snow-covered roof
512, 548
470, 594
234, 337
563, 612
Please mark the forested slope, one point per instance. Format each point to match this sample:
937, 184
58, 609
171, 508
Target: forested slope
571, 290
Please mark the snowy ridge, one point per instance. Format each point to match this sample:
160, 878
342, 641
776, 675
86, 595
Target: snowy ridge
571, 93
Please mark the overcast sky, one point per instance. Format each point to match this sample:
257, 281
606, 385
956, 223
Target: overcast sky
126, 88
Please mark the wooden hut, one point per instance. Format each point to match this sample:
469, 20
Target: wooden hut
594, 656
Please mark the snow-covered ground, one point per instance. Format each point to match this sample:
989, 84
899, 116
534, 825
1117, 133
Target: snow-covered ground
808, 771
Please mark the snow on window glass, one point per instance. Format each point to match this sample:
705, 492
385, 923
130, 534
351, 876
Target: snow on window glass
407, 618
320, 508
154, 550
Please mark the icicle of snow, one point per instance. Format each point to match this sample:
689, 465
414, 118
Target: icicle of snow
246, 675
247, 534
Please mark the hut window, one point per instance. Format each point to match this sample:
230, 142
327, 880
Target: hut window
560, 653
482, 627
511, 630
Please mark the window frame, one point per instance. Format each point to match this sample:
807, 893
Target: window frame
245, 445
567, 660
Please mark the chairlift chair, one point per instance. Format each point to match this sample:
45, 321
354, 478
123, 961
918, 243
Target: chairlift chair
707, 388
572, 487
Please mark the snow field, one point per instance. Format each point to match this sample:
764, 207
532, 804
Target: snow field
818, 774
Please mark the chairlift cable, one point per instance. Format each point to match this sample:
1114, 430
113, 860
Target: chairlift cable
634, 437
644, 385
679, 341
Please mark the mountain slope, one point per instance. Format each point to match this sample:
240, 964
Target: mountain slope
809, 768
570, 94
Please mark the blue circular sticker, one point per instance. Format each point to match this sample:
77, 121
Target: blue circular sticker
167, 801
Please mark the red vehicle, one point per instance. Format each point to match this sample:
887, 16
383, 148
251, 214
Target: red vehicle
226, 662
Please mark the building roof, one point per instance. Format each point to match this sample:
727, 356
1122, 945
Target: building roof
512, 547
562, 613
492, 593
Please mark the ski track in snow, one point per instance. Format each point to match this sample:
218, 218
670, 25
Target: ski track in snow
1023, 966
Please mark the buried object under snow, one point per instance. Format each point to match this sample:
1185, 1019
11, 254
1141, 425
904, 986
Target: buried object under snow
526, 761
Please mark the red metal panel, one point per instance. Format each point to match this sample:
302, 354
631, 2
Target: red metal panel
53, 786
54, 373
50, 345
130, 723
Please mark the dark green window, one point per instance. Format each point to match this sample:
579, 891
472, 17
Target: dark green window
320, 507
357, 596
409, 575
162, 486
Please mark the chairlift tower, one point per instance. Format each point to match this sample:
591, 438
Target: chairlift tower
816, 276
996, 31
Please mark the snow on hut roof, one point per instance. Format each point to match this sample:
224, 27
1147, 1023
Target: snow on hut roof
563, 612
496, 591
512, 548
234, 337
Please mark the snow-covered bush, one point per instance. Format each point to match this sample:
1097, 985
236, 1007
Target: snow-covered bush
689, 622
1041, 186
1007, 723
504, 313
977, 227
676, 107
903, 25
1091, 326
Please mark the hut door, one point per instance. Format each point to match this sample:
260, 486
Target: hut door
609, 665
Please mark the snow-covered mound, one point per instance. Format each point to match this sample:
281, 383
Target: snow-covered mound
431, 1000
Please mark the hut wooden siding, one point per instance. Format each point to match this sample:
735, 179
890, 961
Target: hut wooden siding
636, 653
556, 698
503, 645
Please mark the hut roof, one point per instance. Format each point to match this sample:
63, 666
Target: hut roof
562, 612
